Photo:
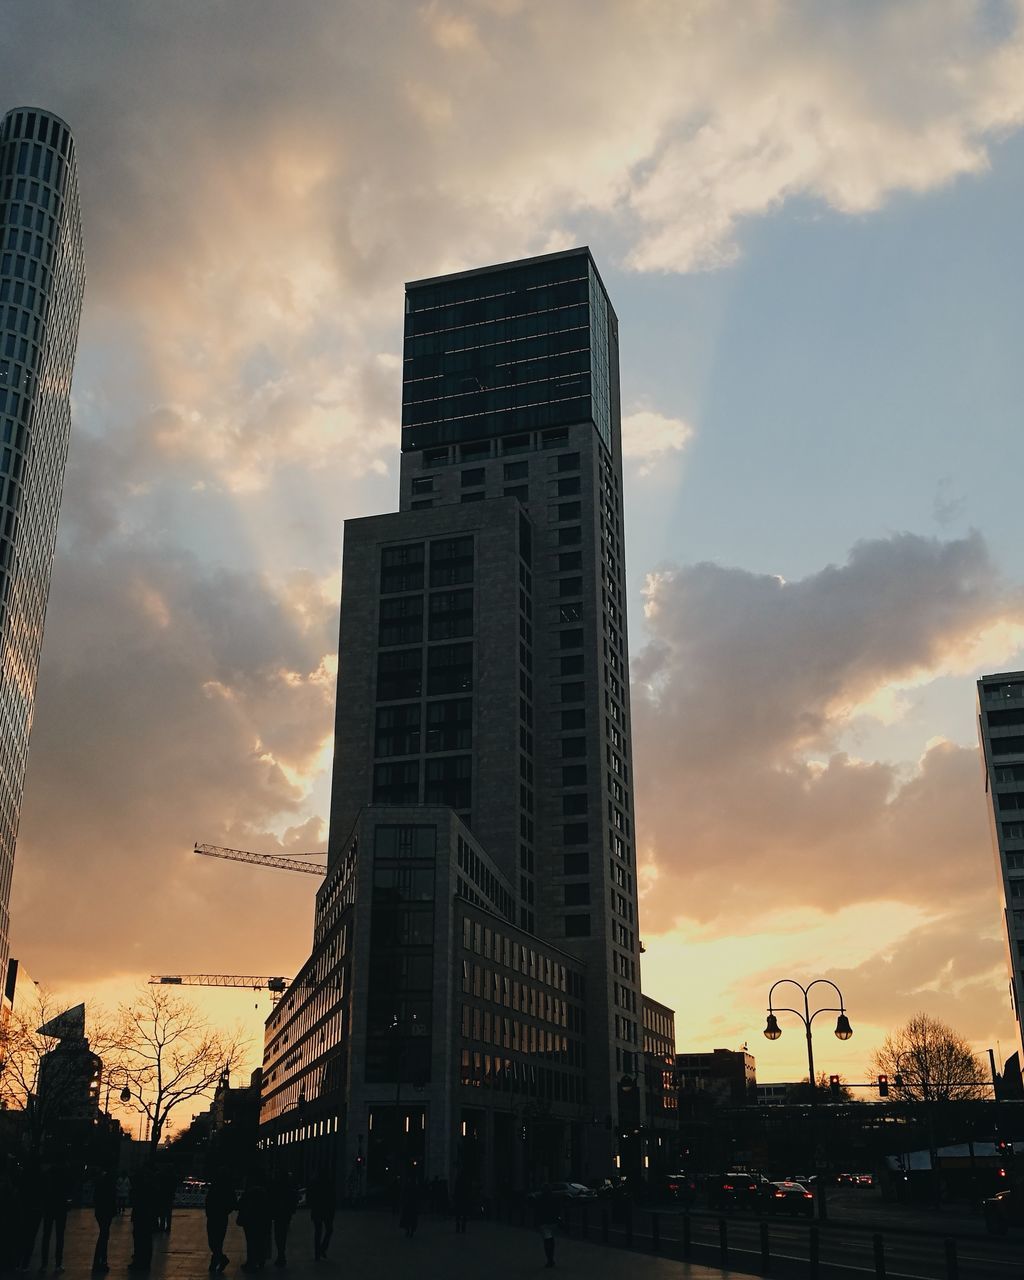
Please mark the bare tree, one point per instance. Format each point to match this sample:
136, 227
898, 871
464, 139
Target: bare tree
926, 1061
171, 1055
53, 1078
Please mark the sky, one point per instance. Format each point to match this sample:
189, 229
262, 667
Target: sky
806, 214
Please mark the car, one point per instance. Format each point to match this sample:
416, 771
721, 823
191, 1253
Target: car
190, 1194
864, 1180
564, 1191
843, 1179
733, 1190
790, 1197
680, 1186
1002, 1211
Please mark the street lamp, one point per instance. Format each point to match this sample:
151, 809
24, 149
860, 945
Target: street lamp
843, 1031
126, 1093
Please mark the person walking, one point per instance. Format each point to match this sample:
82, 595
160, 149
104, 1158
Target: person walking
220, 1202
55, 1215
320, 1198
144, 1213
461, 1194
547, 1219
408, 1204
284, 1200
254, 1219
104, 1207
166, 1185
30, 1191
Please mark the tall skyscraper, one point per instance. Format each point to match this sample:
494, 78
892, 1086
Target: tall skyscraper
1001, 730
477, 931
42, 279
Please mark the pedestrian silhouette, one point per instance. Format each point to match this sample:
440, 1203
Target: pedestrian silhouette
320, 1197
462, 1193
55, 1193
104, 1206
254, 1219
30, 1189
409, 1203
547, 1220
221, 1201
144, 1214
284, 1200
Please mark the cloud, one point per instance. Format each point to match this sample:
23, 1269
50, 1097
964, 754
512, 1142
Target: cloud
648, 436
175, 703
257, 181
745, 802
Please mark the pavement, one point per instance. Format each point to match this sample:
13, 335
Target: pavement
369, 1244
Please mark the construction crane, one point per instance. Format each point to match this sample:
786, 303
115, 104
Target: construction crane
265, 859
243, 981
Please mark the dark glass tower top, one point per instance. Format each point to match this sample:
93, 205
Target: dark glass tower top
504, 349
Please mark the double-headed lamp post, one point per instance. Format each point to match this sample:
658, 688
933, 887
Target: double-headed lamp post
772, 1029
843, 1031
126, 1093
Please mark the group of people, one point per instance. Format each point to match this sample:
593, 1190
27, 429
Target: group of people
34, 1198
264, 1212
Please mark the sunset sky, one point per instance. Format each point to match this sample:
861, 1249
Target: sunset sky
808, 218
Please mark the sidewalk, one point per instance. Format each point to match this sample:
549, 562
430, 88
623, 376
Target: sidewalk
370, 1245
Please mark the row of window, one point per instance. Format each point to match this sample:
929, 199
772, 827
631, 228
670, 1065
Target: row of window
482, 1071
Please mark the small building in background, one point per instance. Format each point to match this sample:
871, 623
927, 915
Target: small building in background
722, 1078
661, 1102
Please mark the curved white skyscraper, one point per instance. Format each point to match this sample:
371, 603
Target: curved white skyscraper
42, 279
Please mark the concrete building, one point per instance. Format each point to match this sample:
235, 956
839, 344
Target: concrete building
42, 280
483, 724
724, 1077
1001, 732
661, 1101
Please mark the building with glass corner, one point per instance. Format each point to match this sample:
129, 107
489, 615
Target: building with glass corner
42, 281
483, 694
1001, 734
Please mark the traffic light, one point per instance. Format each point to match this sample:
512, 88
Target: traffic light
883, 1086
833, 1087
898, 1080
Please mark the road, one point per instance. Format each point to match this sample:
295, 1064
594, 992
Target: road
843, 1250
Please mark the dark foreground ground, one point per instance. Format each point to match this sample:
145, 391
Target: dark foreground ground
369, 1244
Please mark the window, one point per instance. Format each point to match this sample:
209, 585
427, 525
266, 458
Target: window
401, 621
568, 535
399, 675
568, 462
472, 477
574, 775
450, 668
421, 504
577, 926
575, 833
423, 484
450, 725
451, 561
401, 568
451, 614
575, 864
515, 444
577, 895
572, 665
574, 804
397, 730
475, 449
570, 612
572, 692
569, 560
573, 747
570, 586
476, 496
567, 487
448, 781
552, 439
520, 491
516, 470
574, 720
396, 783
435, 457
571, 639
567, 511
